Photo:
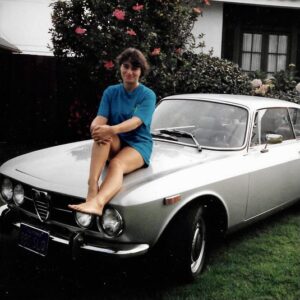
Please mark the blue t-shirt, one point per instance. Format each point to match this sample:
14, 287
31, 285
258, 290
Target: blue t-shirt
119, 105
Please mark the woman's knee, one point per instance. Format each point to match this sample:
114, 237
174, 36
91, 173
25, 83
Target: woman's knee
116, 163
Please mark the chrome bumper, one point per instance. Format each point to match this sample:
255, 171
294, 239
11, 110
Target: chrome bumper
77, 243
125, 250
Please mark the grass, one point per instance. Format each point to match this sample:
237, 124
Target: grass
261, 262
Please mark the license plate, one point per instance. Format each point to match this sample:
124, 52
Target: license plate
34, 239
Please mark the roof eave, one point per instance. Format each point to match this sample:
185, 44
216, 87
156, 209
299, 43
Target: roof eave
6, 46
275, 3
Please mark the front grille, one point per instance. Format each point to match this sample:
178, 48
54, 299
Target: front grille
42, 205
48, 205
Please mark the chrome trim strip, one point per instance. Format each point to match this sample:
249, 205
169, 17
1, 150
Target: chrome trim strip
135, 249
61, 209
138, 249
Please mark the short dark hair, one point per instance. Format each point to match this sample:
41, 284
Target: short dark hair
136, 58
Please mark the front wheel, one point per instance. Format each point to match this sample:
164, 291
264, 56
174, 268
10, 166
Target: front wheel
187, 242
198, 246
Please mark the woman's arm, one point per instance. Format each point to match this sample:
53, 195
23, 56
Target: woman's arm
104, 132
98, 121
127, 125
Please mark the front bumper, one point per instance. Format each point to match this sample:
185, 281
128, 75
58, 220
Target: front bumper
77, 242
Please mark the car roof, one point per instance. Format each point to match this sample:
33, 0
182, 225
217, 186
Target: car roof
252, 102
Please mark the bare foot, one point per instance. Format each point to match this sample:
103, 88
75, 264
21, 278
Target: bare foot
94, 206
92, 191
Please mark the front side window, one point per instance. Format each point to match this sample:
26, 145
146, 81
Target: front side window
265, 52
271, 121
295, 117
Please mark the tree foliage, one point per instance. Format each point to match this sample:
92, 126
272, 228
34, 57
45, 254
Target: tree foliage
282, 85
94, 32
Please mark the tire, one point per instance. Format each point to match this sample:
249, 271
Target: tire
186, 243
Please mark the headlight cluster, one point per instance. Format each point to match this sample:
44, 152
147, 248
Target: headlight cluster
9, 192
83, 220
111, 222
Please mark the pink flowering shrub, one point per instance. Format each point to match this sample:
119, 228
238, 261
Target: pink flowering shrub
119, 14
93, 33
80, 30
281, 85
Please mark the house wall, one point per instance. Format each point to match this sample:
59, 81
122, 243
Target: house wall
211, 24
25, 23
275, 3
264, 20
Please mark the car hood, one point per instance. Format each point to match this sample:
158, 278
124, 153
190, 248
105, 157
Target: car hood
64, 169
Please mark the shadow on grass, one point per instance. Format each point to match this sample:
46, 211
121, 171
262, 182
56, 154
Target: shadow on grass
58, 277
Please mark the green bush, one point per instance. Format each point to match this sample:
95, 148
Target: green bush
282, 85
89, 34
204, 73
95, 32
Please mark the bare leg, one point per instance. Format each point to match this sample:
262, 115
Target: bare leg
126, 161
100, 154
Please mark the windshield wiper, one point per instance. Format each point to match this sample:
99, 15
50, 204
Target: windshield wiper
182, 133
164, 136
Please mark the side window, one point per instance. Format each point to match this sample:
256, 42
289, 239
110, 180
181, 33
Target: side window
271, 121
295, 117
255, 133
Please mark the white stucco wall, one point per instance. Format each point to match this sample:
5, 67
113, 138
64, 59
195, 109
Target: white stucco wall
211, 24
277, 3
25, 23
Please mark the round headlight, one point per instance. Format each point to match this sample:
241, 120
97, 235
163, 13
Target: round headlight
83, 220
111, 222
18, 194
7, 189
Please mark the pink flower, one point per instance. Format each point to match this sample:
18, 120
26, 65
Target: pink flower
119, 14
178, 51
197, 10
262, 90
108, 64
80, 30
256, 83
138, 7
206, 2
155, 52
131, 32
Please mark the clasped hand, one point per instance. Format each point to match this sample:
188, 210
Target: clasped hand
102, 133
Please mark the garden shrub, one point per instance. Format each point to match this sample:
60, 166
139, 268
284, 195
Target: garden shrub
281, 85
91, 33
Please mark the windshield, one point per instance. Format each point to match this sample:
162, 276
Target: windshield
214, 125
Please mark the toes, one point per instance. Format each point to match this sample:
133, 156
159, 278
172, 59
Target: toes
74, 206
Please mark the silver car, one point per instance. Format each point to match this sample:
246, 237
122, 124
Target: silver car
219, 163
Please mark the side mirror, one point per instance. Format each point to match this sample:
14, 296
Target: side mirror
272, 139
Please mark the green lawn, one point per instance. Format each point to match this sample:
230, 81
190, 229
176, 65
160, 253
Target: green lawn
261, 262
